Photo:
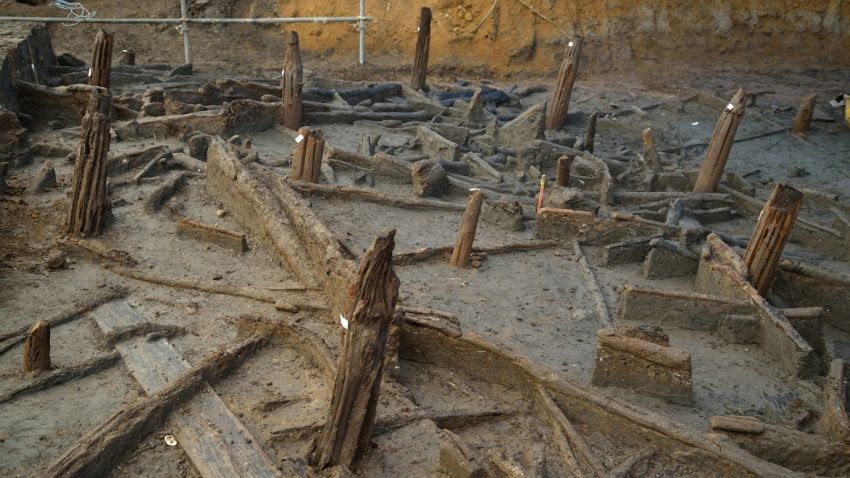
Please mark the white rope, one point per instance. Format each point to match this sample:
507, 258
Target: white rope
75, 10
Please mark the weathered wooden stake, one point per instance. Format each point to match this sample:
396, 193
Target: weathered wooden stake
720, 145
423, 44
466, 233
650, 152
774, 226
101, 63
292, 83
347, 433
562, 172
560, 102
590, 132
307, 156
128, 57
803, 121
90, 203
37, 348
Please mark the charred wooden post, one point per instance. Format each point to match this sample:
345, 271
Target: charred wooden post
560, 103
292, 83
307, 157
101, 63
90, 203
347, 433
37, 348
650, 151
590, 132
803, 121
720, 145
423, 45
128, 57
769, 237
466, 234
562, 172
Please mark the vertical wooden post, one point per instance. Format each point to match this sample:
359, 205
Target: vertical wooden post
128, 57
562, 172
90, 203
720, 145
307, 156
292, 83
37, 348
101, 63
769, 237
560, 102
466, 233
650, 152
347, 433
423, 45
803, 121
590, 132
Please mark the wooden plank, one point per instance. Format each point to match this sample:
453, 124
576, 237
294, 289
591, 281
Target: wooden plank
213, 438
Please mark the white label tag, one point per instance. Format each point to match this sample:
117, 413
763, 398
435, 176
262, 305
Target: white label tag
343, 321
299, 138
89, 71
282, 72
570, 44
695, 123
417, 29
730, 107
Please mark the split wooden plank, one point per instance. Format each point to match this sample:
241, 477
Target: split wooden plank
214, 234
213, 438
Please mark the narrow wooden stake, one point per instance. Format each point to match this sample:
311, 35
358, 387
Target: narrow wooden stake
560, 102
650, 152
720, 145
101, 63
347, 433
423, 45
37, 348
562, 172
307, 156
466, 234
590, 132
803, 121
292, 83
774, 226
90, 203
128, 57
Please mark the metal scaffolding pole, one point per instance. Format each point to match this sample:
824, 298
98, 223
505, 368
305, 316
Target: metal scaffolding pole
361, 29
184, 28
180, 21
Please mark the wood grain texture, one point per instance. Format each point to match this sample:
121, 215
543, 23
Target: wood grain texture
292, 84
423, 45
89, 202
559, 105
721, 144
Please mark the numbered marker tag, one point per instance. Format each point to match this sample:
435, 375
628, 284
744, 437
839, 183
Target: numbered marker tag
730, 107
300, 138
282, 72
343, 321
570, 44
89, 72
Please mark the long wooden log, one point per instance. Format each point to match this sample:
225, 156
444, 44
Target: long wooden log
803, 121
560, 102
307, 156
466, 233
443, 253
562, 424
348, 430
770, 235
292, 83
37, 348
423, 45
721, 144
101, 64
62, 375
90, 203
374, 196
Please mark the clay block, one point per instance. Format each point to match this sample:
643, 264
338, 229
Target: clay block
480, 168
456, 459
429, 178
558, 197
643, 366
649, 333
505, 215
739, 329
43, 179
528, 126
685, 310
216, 235
632, 250
455, 134
436, 146
661, 262
564, 225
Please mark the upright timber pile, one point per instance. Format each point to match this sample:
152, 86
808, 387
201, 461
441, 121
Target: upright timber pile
560, 103
37, 348
307, 156
101, 63
774, 226
721, 144
292, 83
90, 203
347, 433
466, 233
423, 45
